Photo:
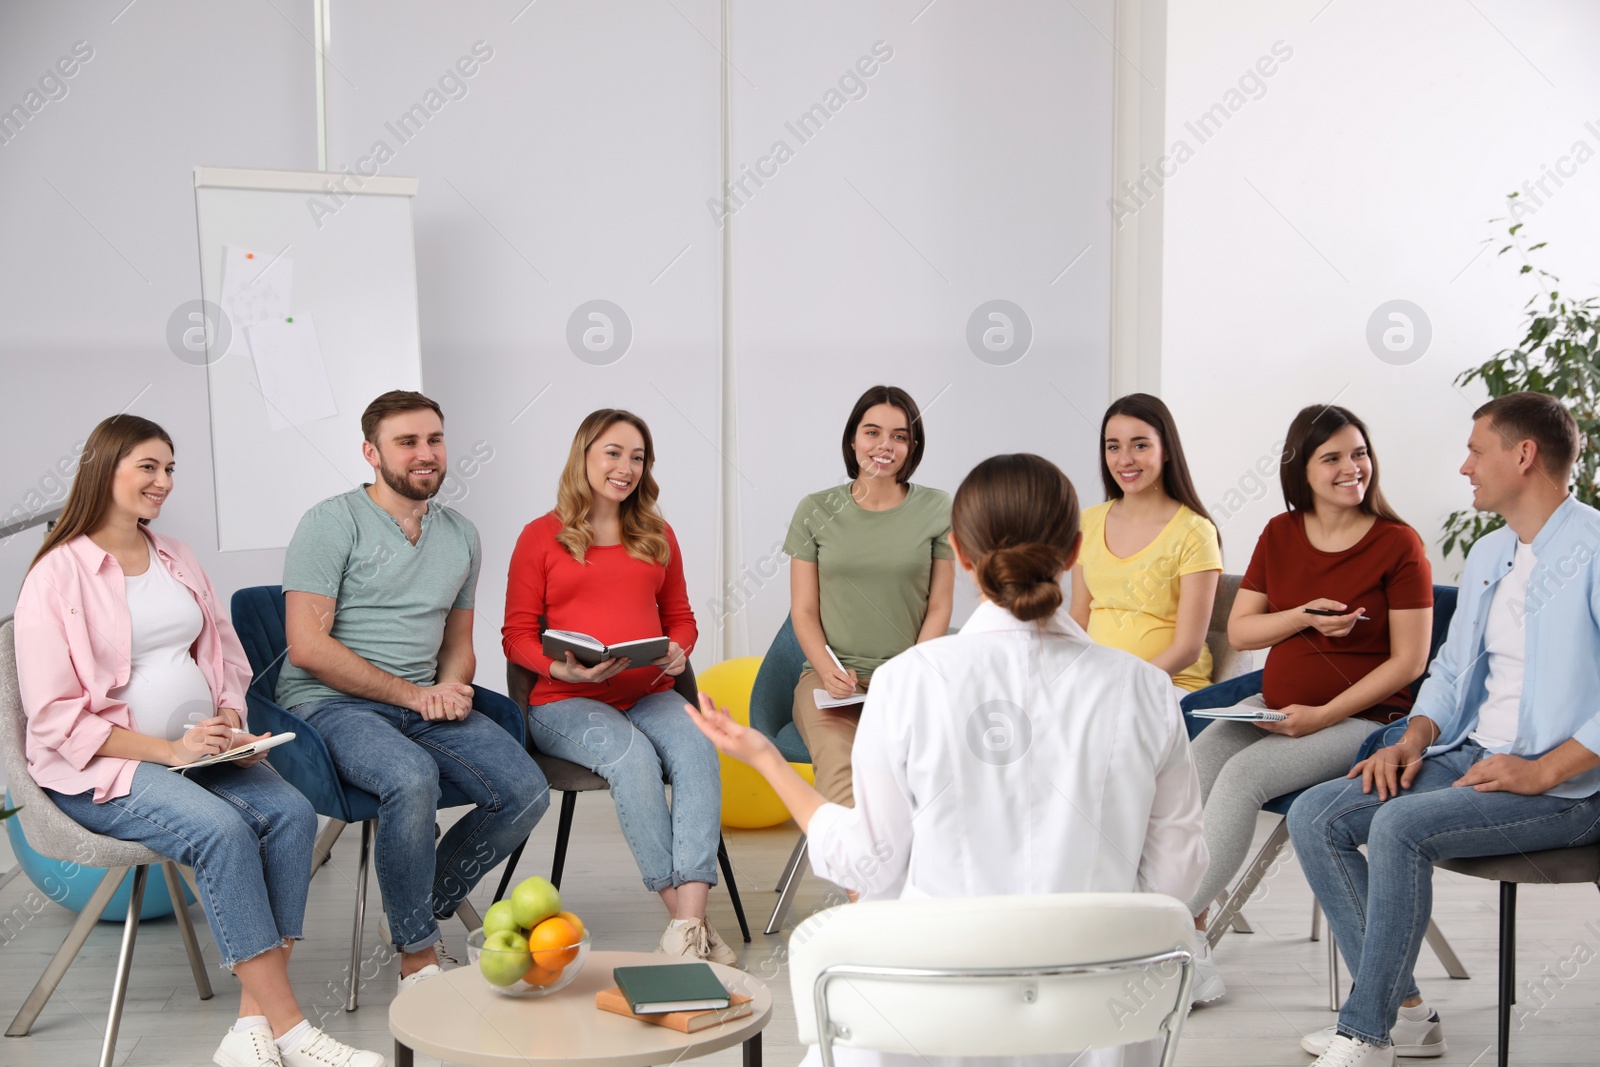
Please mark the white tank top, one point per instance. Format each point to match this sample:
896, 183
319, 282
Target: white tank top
166, 691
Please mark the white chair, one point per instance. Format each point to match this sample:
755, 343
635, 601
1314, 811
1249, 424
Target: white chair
55, 836
994, 976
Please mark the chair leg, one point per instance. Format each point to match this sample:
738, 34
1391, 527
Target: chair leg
361, 915
511, 868
1316, 920
119, 985
324, 844
56, 969
468, 915
790, 886
794, 861
569, 804
1508, 965
1333, 972
191, 943
1240, 894
1447, 955
733, 887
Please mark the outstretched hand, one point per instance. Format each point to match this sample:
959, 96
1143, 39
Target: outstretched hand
731, 738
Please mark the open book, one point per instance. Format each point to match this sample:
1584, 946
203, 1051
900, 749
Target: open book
1241, 714
237, 753
589, 650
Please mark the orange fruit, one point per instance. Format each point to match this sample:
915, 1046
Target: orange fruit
577, 923
541, 976
554, 943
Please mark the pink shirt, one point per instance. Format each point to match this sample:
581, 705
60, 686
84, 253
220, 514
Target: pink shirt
73, 648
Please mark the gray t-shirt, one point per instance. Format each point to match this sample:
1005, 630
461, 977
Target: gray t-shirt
393, 597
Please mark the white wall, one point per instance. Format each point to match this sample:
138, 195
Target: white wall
572, 168
973, 164
1364, 172
97, 212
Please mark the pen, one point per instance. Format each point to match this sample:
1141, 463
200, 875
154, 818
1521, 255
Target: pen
833, 656
1328, 611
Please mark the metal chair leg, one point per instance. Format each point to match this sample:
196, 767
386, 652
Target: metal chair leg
119, 985
1333, 971
1240, 894
361, 915
569, 804
1316, 920
794, 861
56, 969
191, 943
1447, 955
323, 847
511, 869
1508, 965
733, 887
468, 915
787, 891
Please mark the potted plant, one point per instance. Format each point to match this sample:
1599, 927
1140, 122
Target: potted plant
1559, 354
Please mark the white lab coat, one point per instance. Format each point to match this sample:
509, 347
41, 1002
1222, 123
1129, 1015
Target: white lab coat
1015, 758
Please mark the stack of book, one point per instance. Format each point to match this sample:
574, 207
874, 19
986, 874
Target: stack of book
686, 997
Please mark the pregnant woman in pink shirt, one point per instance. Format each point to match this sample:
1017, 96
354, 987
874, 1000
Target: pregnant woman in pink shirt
129, 668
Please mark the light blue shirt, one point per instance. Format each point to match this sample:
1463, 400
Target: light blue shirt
1561, 680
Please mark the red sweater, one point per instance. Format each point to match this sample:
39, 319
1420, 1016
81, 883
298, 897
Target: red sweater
612, 596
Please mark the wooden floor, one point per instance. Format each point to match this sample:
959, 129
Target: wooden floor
1276, 977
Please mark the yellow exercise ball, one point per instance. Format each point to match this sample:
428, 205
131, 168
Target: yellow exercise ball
748, 802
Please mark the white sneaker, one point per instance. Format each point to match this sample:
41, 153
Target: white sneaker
1412, 1038
719, 950
247, 1048
422, 975
1208, 984
1348, 1052
324, 1050
695, 940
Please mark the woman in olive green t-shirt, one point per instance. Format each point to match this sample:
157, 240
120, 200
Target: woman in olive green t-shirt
872, 575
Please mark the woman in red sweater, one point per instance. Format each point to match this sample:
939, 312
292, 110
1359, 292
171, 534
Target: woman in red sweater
605, 563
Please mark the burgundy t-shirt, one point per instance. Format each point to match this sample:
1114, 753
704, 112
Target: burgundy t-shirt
1386, 570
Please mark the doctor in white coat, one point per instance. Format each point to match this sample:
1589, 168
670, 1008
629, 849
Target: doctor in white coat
1015, 757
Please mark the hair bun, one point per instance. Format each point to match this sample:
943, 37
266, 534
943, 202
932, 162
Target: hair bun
1023, 579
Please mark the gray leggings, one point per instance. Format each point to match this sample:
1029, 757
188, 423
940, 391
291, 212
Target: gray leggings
1241, 767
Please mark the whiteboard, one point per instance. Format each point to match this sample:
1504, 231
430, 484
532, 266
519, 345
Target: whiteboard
355, 277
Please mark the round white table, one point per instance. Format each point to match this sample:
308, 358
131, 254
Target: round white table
459, 1018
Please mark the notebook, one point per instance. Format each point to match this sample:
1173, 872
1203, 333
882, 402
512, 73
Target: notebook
237, 753
1240, 714
670, 987
687, 1022
821, 698
589, 650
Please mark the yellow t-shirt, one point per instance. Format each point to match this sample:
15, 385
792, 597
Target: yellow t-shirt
1133, 601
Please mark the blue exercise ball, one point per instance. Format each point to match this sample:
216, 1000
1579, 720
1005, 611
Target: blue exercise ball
71, 886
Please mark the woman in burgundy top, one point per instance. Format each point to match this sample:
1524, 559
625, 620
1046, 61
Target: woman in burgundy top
605, 563
1340, 591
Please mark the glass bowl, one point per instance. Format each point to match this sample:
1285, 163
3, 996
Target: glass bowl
492, 964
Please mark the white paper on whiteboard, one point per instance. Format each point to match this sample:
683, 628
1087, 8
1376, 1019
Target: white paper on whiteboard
294, 381
257, 286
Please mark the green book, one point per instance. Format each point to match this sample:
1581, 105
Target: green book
670, 987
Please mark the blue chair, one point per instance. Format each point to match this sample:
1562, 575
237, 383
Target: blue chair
1231, 692
772, 712
258, 616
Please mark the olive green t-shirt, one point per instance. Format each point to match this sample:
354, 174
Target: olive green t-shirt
874, 568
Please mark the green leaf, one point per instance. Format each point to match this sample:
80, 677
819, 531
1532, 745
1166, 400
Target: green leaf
7, 813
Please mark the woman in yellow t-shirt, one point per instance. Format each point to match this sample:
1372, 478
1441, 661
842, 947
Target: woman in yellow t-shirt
1147, 576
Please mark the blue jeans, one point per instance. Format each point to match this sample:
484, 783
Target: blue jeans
400, 757
634, 751
1378, 905
246, 832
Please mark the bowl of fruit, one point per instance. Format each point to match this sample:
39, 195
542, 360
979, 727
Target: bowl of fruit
528, 946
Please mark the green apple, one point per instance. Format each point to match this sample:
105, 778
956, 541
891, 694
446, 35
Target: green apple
499, 917
533, 901
505, 957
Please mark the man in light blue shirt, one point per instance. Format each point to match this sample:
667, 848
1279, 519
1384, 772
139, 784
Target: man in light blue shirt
1501, 752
